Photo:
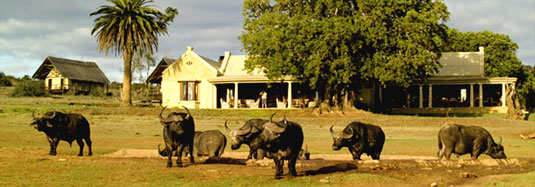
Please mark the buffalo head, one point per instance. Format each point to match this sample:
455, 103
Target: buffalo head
342, 138
496, 151
175, 119
237, 137
41, 121
273, 130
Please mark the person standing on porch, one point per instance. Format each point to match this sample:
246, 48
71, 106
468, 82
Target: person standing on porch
264, 98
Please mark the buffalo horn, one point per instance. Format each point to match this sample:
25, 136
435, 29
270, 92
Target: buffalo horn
33, 115
271, 118
160, 115
243, 132
332, 132
274, 128
500, 141
189, 115
53, 115
226, 127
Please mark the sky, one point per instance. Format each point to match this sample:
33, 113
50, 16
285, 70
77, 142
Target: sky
31, 30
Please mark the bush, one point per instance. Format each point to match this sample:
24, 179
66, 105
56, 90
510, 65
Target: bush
33, 88
4, 80
95, 92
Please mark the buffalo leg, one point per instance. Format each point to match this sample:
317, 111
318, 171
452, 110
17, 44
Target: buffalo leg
252, 153
478, 148
191, 159
278, 168
81, 145
260, 154
169, 150
179, 155
448, 153
89, 144
53, 145
356, 154
376, 156
291, 165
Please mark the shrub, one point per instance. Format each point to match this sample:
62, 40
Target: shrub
4, 80
33, 88
95, 92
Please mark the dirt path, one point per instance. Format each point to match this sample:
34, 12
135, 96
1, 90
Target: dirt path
412, 170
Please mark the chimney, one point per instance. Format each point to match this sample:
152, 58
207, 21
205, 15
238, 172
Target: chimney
224, 61
189, 48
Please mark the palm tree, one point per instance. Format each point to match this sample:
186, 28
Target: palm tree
127, 26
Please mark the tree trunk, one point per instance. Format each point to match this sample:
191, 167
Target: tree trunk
514, 109
127, 78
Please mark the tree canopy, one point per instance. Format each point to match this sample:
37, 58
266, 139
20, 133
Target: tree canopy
127, 26
335, 46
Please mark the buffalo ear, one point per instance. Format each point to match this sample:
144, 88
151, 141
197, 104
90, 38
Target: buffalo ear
48, 124
348, 135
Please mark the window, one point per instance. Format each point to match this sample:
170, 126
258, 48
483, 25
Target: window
188, 91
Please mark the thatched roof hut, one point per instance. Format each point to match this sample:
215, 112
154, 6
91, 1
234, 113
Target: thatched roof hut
62, 75
72, 69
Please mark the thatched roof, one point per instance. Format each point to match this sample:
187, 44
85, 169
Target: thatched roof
72, 69
156, 75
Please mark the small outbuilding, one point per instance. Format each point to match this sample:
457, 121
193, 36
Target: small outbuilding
71, 76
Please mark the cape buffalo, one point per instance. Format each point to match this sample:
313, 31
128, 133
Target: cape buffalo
67, 127
247, 134
206, 143
360, 138
282, 141
460, 139
178, 133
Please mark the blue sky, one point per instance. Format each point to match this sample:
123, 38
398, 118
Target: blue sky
30, 30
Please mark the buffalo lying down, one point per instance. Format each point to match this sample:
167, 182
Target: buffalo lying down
67, 127
360, 138
206, 143
460, 140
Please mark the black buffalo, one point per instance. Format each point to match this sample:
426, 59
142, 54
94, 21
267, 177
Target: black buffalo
206, 143
460, 139
282, 141
178, 134
247, 134
67, 127
360, 138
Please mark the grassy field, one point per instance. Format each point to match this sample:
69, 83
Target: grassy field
24, 160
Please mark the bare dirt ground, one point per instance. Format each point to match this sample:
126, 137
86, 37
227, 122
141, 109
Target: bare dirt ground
412, 170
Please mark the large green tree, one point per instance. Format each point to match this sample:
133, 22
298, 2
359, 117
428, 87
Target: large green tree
335, 46
127, 26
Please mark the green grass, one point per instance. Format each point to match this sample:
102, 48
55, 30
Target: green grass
516, 180
24, 160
